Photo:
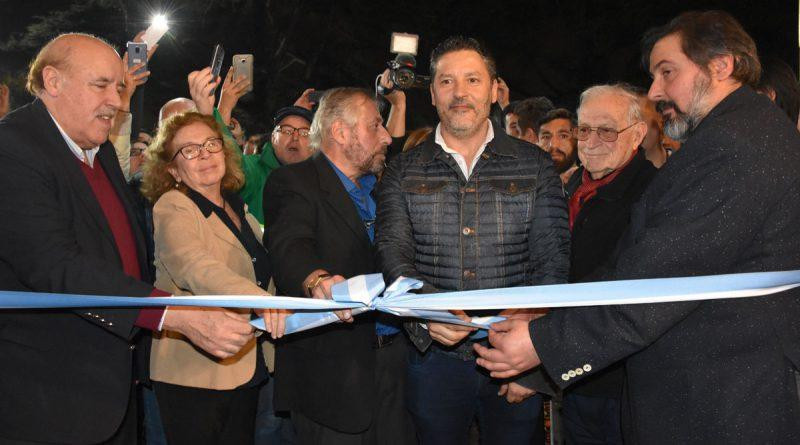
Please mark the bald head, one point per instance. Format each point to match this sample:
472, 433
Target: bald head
61, 53
176, 106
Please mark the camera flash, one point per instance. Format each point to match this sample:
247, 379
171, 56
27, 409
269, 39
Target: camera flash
404, 43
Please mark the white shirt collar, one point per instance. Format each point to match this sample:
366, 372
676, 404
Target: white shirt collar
458, 157
76, 150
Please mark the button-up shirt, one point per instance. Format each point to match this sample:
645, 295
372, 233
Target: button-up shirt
86, 156
361, 195
458, 157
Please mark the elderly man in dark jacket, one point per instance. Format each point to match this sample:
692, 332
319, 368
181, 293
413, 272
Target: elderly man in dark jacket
613, 175
698, 372
471, 208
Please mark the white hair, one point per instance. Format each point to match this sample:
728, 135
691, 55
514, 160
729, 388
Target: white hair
634, 113
338, 104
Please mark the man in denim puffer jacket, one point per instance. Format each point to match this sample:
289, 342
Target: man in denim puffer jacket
470, 208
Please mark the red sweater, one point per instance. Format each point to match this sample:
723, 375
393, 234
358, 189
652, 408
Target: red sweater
120, 225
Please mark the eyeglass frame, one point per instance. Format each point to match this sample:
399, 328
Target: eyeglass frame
203, 146
615, 132
279, 129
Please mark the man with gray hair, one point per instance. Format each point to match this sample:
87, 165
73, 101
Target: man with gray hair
342, 383
614, 174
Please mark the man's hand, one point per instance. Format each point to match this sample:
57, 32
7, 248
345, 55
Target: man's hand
523, 314
322, 291
232, 90
304, 101
132, 80
274, 320
4, 100
503, 94
396, 97
450, 334
220, 332
513, 351
202, 90
515, 392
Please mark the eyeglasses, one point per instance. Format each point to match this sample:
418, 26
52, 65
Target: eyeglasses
288, 130
582, 132
191, 151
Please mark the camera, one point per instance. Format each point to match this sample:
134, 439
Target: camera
402, 70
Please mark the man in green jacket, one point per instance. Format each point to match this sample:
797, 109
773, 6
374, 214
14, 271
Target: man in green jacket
288, 144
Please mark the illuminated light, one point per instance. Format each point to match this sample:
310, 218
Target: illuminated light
158, 27
160, 21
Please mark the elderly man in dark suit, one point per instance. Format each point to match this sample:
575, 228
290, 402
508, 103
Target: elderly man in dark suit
722, 371
68, 226
342, 383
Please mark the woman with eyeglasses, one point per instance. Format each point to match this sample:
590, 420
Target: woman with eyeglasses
206, 242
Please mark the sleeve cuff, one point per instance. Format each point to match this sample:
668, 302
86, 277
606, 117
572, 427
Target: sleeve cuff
152, 318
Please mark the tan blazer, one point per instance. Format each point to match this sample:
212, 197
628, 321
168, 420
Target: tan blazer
195, 255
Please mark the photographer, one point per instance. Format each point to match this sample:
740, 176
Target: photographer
396, 122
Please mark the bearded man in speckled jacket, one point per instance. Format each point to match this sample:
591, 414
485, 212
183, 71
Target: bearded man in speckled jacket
698, 372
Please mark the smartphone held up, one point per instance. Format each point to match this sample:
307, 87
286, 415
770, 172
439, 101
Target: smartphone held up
243, 68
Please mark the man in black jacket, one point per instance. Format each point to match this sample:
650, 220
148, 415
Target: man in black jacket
471, 208
719, 371
342, 383
68, 226
613, 175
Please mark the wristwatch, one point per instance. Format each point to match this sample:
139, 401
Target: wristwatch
315, 282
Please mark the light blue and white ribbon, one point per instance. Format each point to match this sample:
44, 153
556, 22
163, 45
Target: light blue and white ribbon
368, 292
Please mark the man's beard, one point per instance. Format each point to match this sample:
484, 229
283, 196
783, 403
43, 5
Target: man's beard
356, 153
460, 130
565, 164
679, 126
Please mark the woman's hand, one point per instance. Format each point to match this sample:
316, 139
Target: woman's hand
274, 320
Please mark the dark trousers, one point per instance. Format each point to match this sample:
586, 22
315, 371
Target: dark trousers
446, 393
590, 420
126, 434
391, 424
196, 416
272, 428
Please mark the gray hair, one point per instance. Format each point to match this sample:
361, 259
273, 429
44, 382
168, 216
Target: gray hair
634, 113
338, 104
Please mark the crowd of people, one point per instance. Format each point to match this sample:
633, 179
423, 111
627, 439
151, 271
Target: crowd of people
696, 175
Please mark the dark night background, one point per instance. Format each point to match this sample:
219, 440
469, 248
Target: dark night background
554, 48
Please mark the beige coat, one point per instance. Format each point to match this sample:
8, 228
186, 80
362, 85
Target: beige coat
195, 255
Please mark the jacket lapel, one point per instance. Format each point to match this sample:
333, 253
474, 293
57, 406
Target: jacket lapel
62, 156
337, 198
222, 232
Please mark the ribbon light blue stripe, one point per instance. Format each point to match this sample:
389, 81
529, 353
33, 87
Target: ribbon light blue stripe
368, 292
658, 290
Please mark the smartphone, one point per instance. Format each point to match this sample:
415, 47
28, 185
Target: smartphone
137, 53
216, 62
243, 67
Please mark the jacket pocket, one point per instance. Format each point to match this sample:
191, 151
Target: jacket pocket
512, 187
423, 187
513, 201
